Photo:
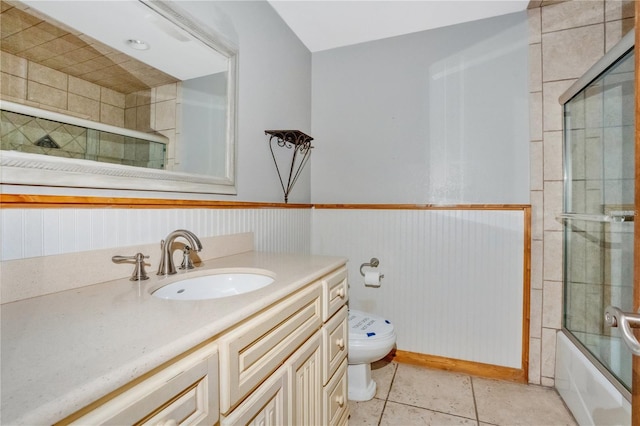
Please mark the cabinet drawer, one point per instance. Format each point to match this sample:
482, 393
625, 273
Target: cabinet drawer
254, 350
335, 403
335, 343
336, 292
267, 405
182, 394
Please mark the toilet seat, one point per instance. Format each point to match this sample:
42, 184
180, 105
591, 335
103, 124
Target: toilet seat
367, 327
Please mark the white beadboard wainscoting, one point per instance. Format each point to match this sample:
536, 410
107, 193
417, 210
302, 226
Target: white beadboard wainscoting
453, 279
43, 232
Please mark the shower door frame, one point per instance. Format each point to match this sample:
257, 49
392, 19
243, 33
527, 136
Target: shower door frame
635, 383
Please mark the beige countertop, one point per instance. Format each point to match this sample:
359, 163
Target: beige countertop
62, 351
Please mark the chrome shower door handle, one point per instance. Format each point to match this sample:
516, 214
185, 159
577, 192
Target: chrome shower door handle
614, 317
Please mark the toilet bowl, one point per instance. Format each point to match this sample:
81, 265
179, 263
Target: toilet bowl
370, 338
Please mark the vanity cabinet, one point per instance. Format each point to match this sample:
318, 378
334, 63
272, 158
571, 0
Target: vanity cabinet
185, 392
306, 335
284, 365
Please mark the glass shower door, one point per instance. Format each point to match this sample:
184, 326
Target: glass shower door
598, 213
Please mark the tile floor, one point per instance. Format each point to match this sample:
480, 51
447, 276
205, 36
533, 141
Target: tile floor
411, 395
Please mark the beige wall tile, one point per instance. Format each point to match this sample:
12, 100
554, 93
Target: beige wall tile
535, 25
166, 92
89, 108
535, 67
536, 166
552, 270
84, 88
111, 97
44, 57
534, 361
537, 259
570, 53
535, 309
535, 116
537, 214
552, 304
551, 91
548, 381
130, 100
553, 196
47, 76
12, 86
553, 156
110, 114
165, 115
46, 95
143, 118
615, 30
571, 14
548, 353
618, 9
12, 64
143, 97
130, 118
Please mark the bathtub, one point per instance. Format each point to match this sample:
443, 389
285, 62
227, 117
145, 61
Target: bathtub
590, 396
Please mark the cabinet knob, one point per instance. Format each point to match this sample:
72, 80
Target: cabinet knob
340, 400
340, 343
341, 292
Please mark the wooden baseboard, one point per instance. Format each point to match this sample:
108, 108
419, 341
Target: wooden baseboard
460, 366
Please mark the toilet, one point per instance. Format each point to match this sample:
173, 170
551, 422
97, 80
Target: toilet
370, 338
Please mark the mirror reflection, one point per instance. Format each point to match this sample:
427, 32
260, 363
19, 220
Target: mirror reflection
167, 103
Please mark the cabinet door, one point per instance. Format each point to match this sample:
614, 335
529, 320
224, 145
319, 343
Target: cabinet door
184, 393
266, 406
336, 407
252, 351
305, 379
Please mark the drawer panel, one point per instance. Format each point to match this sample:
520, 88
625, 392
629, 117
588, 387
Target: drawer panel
267, 405
183, 393
336, 292
257, 348
335, 343
335, 402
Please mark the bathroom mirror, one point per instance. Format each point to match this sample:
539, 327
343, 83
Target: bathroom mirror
132, 70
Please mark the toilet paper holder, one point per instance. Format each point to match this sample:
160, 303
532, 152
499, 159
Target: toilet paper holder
373, 263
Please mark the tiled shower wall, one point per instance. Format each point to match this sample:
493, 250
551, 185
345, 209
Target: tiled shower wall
28, 233
565, 40
151, 111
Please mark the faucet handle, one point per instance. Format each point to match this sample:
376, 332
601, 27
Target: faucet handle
187, 263
139, 273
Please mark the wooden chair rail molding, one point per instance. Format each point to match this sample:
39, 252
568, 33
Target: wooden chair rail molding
57, 201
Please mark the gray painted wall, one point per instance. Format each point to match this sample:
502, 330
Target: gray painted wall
274, 92
439, 116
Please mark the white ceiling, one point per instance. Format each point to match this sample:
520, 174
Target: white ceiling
327, 24
115, 22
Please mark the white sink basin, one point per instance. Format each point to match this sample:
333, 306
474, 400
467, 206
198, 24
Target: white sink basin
213, 286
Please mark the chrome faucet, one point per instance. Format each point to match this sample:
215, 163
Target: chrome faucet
166, 266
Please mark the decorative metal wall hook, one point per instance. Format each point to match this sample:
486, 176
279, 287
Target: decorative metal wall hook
301, 145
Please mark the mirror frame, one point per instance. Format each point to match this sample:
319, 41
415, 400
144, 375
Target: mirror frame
17, 168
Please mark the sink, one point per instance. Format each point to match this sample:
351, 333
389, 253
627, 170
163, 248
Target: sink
214, 286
